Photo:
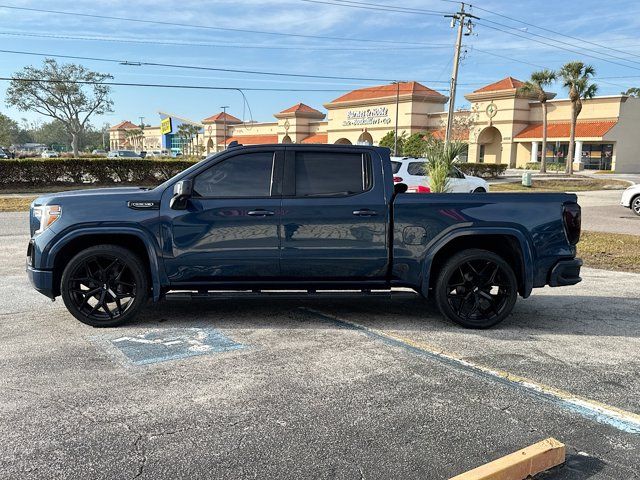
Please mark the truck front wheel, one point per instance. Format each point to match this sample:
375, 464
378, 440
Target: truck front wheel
104, 286
476, 289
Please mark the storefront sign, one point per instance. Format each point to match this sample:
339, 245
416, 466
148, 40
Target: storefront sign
165, 126
368, 116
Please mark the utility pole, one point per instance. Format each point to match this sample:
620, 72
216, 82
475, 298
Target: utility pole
224, 128
395, 136
463, 19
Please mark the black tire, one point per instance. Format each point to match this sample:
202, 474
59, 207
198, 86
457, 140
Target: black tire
480, 190
104, 286
635, 205
476, 289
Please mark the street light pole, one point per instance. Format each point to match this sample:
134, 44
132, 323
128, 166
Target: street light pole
395, 136
224, 119
463, 19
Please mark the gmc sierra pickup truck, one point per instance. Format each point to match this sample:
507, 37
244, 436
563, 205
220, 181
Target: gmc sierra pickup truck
299, 217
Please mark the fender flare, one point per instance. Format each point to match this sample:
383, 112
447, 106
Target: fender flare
158, 277
526, 252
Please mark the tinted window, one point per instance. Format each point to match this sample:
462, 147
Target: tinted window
455, 173
417, 168
395, 166
246, 175
331, 174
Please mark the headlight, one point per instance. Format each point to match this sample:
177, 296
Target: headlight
47, 215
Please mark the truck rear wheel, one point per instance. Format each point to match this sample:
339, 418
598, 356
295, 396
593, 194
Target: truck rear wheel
476, 289
104, 286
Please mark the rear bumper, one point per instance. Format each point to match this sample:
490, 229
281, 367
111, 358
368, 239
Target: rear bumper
42, 281
565, 272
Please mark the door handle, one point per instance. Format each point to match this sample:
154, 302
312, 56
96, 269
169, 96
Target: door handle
365, 212
260, 213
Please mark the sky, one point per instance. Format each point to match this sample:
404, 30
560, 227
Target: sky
372, 44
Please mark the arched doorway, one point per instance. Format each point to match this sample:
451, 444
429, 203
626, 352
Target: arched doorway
490, 145
286, 139
365, 139
209, 145
343, 141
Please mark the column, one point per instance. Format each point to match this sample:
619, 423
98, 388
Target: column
577, 155
534, 152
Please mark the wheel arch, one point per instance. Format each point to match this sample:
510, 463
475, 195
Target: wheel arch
130, 238
508, 243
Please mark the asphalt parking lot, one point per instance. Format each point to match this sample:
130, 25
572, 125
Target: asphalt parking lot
358, 388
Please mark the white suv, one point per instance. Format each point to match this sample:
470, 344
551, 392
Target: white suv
631, 198
413, 172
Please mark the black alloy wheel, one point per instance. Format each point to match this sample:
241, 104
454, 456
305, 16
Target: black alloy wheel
476, 289
104, 286
635, 205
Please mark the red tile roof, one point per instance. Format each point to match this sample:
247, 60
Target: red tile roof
508, 83
457, 134
562, 129
302, 108
316, 138
220, 117
124, 125
383, 91
252, 139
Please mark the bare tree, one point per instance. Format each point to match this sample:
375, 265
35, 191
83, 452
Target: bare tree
69, 93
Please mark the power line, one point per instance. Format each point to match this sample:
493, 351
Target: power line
376, 7
208, 44
553, 31
198, 67
206, 27
558, 46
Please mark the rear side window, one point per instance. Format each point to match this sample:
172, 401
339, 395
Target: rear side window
395, 167
417, 168
248, 175
325, 174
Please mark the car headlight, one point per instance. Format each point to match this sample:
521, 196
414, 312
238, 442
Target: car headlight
47, 215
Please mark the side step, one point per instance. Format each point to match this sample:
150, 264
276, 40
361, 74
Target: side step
288, 294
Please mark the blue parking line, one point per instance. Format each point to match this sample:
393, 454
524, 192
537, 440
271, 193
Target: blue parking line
602, 413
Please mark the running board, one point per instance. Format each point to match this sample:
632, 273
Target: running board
232, 295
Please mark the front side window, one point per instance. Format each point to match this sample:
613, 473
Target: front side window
327, 174
248, 175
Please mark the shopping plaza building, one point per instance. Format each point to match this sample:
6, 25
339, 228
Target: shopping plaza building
502, 125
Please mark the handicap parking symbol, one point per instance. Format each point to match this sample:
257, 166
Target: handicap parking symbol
162, 345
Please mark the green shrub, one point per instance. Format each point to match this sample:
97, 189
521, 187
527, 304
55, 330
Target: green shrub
484, 170
40, 171
551, 166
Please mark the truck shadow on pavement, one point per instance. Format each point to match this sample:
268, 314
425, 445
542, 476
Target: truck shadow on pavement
541, 314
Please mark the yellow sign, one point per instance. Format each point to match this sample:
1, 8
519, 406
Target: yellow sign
165, 126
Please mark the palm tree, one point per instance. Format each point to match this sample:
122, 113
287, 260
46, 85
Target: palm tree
576, 77
535, 86
135, 136
440, 159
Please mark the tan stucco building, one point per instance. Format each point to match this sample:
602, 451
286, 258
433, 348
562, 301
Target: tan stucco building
502, 125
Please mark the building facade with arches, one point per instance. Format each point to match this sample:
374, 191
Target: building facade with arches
501, 125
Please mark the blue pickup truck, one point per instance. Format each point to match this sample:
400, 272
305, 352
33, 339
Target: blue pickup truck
298, 217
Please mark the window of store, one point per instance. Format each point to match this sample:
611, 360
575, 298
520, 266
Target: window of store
597, 156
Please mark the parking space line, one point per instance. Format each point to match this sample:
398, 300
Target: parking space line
602, 413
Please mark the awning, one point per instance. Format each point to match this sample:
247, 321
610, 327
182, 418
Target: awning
561, 130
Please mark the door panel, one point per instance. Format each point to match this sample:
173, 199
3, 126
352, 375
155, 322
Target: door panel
329, 230
229, 230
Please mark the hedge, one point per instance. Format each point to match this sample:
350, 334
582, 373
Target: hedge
80, 170
551, 166
484, 170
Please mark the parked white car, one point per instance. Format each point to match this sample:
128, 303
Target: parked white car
49, 154
158, 153
412, 171
631, 198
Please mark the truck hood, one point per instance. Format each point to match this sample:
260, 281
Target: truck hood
92, 192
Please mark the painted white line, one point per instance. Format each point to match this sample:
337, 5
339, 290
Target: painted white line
592, 409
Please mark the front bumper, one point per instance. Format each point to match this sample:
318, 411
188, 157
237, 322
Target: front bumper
565, 272
42, 281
